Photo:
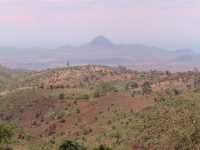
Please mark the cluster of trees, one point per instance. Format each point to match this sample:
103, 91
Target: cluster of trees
131, 86
71, 145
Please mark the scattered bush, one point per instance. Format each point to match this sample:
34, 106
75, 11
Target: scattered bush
6, 133
146, 88
155, 126
104, 88
71, 145
77, 95
84, 96
102, 147
61, 96
176, 91
131, 85
78, 111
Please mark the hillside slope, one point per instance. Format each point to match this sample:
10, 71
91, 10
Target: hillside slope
96, 104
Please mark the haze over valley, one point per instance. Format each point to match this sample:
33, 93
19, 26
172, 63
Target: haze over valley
101, 50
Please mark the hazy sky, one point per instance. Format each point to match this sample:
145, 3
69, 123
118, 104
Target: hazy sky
165, 23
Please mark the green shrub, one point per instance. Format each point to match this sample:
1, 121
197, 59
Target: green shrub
78, 111
77, 95
131, 85
61, 96
83, 96
102, 147
176, 91
71, 145
146, 88
104, 88
6, 133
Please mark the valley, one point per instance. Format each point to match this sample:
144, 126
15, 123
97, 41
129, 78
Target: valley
101, 50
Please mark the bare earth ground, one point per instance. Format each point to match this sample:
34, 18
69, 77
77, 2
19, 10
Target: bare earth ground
32, 116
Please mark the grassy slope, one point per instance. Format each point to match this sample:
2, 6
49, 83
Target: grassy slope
172, 123
9, 79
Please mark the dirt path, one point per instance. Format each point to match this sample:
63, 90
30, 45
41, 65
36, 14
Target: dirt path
6, 92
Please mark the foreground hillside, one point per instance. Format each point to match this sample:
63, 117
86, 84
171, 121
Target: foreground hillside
97, 105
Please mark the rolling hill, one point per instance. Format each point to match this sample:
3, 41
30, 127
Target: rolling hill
113, 106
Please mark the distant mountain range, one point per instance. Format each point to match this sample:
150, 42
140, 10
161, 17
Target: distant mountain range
100, 50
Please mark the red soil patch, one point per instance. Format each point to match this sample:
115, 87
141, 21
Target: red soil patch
32, 117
